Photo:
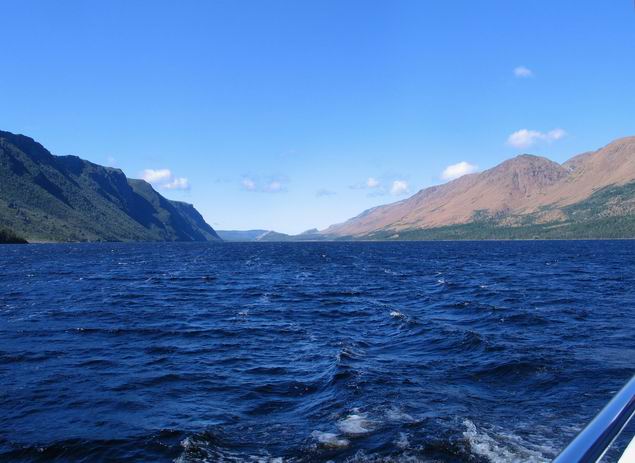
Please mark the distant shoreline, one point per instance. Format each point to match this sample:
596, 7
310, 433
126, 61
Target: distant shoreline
40, 242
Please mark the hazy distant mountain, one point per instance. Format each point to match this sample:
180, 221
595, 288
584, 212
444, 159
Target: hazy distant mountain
65, 198
242, 235
269, 235
591, 195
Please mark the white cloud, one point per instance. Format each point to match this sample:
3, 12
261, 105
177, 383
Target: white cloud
399, 187
525, 138
163, 178
179, 183
388, 185
371, 184
458, 170
156, 175
273, 185
556, 134
248, 184
523, 72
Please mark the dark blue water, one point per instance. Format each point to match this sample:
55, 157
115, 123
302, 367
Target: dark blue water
302, 352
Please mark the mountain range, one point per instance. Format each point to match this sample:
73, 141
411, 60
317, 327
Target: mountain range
243, 235
269, 235
592, 195
64, 198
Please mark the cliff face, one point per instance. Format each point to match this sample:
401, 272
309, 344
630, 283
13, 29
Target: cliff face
526, 189
65, 198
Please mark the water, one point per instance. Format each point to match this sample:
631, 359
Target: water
304, 352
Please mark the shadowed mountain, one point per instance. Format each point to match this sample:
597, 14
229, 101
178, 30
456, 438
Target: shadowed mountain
591, 195
9, 237
65, 198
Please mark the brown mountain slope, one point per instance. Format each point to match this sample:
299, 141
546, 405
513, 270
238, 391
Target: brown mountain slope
522, 186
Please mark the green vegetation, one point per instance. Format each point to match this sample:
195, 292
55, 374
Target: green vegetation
9, 237
64, 198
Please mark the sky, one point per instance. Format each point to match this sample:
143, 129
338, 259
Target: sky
292, 115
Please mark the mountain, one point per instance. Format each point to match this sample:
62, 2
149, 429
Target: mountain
242, 235
591, 195
65, 198
275, 236
9, 237
269, 235
196, 220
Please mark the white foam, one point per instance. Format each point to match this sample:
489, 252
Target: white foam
329, 439
362, 457
507, 449
395, 414
354, 424
402, 442
198, 450
396, 314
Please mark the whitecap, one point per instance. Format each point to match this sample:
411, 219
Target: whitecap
198, 449
402, 442
330, 439
362, 457
354, 424
505, 448
395, 414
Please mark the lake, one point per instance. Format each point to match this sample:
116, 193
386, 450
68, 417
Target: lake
310, 352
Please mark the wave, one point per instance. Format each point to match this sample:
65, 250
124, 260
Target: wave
505, 447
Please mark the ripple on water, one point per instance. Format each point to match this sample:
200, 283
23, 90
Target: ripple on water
309, 352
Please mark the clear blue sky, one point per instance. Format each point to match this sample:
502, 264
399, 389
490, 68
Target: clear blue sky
290, 115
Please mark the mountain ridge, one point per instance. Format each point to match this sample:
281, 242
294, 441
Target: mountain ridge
65, 198
523, 189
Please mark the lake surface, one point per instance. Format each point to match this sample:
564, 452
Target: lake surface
310, 352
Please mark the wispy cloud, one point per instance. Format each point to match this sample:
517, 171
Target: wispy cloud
458, 170
248, 184
163, 178
322, 192
523, 72
271, 185
389, 185
399, 187
179, 183
525, 138
370, 184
